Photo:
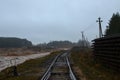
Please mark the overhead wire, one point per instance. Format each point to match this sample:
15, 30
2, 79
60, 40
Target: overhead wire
89, 30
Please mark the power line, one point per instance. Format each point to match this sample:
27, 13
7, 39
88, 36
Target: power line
89, 27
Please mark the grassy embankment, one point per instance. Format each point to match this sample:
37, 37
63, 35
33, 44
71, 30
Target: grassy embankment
29, 70
86, 68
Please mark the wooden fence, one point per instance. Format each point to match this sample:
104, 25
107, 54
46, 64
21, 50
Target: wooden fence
107, 51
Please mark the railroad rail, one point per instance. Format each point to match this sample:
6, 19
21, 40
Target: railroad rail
59, 69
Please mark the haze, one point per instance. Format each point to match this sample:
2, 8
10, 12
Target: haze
46, 20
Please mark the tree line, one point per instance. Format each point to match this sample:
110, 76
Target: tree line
113, 27
63, 44
56, 44
12, 42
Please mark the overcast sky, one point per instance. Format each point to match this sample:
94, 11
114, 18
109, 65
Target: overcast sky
46, 20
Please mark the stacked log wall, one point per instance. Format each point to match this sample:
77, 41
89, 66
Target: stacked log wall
107, 51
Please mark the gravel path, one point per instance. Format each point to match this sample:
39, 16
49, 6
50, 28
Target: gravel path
7, 61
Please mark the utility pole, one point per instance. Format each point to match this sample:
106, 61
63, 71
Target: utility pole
87, 43
100, 28
83, 39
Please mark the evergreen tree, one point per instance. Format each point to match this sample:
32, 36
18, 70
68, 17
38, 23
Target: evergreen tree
114, 25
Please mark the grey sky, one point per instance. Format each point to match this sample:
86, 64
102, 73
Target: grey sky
47, 20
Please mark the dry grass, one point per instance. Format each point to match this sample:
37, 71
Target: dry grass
29, 70
79, 73
84, 65
16, 51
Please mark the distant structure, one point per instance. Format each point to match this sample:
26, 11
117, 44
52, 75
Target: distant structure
83, 39
100, 27
83, 43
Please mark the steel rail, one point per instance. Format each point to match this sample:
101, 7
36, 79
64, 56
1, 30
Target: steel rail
48, 72
71, 74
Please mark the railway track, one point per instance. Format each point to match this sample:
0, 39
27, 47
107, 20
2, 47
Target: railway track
59, 69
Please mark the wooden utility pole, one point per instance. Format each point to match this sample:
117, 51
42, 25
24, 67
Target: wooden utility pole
100, 28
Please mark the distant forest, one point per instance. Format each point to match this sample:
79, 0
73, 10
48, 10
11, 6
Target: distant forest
57, 44
63, 44
12, 42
